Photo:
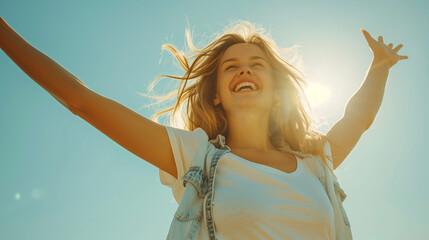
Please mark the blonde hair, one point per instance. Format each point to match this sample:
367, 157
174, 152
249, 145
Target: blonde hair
291, 127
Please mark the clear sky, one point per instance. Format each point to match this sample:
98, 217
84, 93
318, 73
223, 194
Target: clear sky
61, 178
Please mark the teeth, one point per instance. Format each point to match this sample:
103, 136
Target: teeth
251, 84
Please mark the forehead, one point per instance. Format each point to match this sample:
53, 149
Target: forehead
242, 50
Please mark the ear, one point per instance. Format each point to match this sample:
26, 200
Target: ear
216, 101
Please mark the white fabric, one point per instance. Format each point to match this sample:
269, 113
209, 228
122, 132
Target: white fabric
254, 201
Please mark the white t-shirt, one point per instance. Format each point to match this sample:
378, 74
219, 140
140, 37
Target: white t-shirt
254, 201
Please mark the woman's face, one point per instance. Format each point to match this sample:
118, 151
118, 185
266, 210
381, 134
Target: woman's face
244, 62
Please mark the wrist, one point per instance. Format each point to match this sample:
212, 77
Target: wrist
381, 63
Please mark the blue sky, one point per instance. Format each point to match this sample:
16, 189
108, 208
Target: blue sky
62, 178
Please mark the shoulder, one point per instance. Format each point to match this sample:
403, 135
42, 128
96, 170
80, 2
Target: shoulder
196, 134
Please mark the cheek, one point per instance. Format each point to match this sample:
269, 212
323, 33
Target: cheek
270, 83
269, 80
223, 81
219, 84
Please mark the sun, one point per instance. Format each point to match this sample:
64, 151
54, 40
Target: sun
317, 93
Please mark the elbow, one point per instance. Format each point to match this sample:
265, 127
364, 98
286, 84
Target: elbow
78, 102
74, 110
72, 107
366, 118
369, 119
368, 123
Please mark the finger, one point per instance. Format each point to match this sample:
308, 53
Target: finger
398, 47
403, 57
367, 36
390, 45
380, 39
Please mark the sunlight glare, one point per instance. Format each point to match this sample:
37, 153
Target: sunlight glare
317, 93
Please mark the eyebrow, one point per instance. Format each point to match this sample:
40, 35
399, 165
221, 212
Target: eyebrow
236, 59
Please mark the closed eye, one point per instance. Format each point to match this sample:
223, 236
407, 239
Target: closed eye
233, 66
230, 67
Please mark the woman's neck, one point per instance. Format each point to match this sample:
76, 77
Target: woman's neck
249, 130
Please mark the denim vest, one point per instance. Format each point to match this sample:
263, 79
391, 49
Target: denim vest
198, 196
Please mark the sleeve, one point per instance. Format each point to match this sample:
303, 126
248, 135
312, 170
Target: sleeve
186, 146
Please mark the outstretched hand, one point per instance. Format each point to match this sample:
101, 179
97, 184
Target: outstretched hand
383, 54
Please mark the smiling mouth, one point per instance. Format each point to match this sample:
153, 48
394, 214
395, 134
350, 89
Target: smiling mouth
245, 90
246, 86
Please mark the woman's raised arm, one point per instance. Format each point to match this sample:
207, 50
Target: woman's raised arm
60, 83
141, 136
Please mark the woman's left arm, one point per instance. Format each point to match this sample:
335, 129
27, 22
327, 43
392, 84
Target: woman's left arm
363, 106
366, 102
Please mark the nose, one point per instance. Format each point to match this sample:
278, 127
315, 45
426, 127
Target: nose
245, 69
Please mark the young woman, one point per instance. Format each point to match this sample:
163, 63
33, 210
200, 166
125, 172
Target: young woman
245, 96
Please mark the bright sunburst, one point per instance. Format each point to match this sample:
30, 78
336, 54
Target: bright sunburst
317, 93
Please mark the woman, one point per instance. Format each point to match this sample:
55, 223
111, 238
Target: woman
243, 92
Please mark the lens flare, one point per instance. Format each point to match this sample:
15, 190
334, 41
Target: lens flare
317, 93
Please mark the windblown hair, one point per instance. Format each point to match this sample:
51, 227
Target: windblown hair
291, 127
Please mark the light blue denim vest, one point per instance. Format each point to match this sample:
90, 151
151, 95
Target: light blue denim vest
199, 186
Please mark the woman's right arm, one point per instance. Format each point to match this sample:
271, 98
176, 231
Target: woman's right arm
139, 135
